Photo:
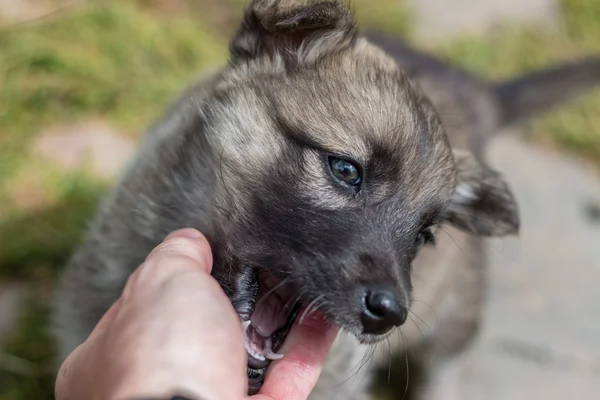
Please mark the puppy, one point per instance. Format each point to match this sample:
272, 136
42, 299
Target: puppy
449, 281
320, 172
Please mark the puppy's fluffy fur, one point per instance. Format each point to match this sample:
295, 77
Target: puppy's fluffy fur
242, 156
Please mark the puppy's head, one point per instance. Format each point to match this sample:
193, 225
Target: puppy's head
334, 172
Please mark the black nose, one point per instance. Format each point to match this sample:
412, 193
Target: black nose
381, 310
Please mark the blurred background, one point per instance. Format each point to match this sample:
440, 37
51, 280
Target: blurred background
81, 80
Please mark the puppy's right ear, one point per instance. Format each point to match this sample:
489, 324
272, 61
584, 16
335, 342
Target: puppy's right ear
483, 204
297, 30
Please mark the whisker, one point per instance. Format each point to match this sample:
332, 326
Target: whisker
406, 347
404, 341
455, 243
432, 331
289, 303
312, 303
316, 308
428, 305
417, 326
390, 360
365, 359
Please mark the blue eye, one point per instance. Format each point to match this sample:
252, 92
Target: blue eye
344, 171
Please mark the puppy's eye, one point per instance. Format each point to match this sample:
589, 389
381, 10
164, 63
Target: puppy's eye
426, 236
344, 171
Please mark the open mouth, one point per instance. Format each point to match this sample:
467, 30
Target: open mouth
267, 308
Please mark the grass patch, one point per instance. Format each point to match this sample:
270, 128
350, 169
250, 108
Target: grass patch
26, 370
110, 59
34, 248
34, 245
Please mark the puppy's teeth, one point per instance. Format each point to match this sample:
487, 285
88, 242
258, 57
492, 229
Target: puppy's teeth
246, 325
252, 353
273, 356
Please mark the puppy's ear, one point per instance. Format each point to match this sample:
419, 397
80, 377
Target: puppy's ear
297, 30
482, 203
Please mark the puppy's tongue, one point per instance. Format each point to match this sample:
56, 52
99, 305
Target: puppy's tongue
271, 310
268, 316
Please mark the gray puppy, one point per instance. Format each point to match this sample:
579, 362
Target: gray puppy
319, 172
449, 281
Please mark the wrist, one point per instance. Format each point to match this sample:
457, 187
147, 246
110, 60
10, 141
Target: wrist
170, 387
172, 397
151, 391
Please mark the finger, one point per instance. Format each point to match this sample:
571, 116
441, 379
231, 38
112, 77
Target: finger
185, 242
202, 252
306, 348
183, 251
70, 381
106, 318
73, 379
181, 233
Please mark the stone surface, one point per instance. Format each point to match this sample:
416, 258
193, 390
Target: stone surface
95, 143
540, 338
11, 10
20, 11
439, 19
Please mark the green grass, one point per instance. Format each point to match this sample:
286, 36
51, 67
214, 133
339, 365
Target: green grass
109, 60
122, 61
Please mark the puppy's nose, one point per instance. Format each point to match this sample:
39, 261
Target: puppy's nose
381, 310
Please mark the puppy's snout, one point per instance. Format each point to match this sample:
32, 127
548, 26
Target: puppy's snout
380, 309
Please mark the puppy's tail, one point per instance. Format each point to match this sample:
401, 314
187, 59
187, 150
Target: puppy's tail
527, 96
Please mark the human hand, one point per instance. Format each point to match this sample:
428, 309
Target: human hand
174, 331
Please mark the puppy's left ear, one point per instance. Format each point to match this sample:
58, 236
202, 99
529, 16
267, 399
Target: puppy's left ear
482, 203
296, 30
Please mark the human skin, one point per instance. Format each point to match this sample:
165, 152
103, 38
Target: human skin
174, 331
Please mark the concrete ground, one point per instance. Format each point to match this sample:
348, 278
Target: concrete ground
439, 19
540, 333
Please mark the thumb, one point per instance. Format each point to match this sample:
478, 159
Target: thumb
106, 319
